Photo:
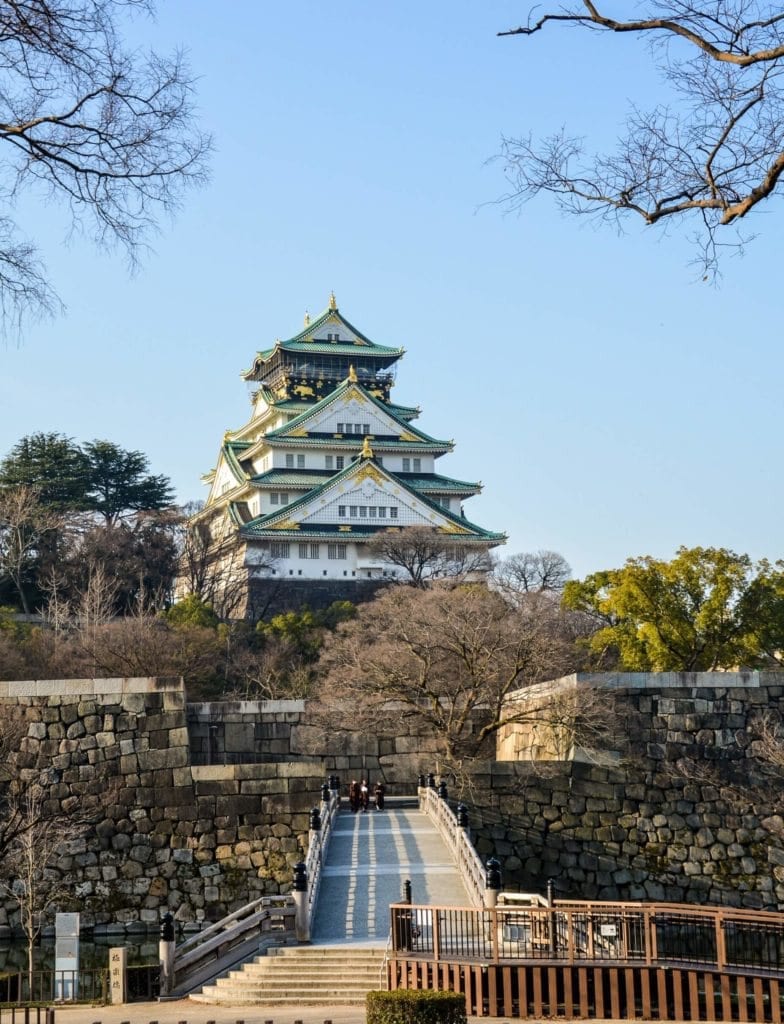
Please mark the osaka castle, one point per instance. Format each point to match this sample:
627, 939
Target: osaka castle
326, 462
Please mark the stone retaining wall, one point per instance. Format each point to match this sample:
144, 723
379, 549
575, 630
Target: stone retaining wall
198, 841
689, 812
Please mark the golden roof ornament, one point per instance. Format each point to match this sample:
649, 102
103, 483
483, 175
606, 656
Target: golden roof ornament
367, 451
352, 374
332, 301
307, 319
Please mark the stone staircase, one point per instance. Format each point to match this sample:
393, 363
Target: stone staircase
301, 976
368, 859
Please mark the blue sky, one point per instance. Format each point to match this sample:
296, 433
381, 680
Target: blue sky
611, 404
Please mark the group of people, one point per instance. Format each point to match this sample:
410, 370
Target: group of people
359, 796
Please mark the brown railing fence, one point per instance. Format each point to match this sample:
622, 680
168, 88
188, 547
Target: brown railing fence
625, 961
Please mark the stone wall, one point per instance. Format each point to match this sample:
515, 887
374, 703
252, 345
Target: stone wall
177, 831
678, 817
199, 841
684, 809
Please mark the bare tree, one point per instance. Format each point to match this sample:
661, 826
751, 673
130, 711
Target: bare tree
106, 131
28, 878
532, 572
212, 565
425, 554
447, 662
24, 524
713, 154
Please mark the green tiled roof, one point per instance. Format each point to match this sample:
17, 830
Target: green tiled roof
348, 443
333, 396
424, 482
264, 525
292, 478
299, 344
231, 450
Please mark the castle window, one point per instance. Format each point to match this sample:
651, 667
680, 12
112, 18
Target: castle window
308, 551
328, 460
315, 550
372, 511
279, 498
336, 550
358, 428
342, 511
340, 428
365, 428
406, 465
279, 549
382, 512
300, 462
352, 511
289, 462
363, 511
393, 512
339, 461
417, 465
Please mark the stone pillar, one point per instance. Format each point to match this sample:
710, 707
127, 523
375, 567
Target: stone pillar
300, 893
166, 954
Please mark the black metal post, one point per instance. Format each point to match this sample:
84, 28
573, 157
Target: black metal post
493, 874
443, 793
300, 877
462, 815
315, 819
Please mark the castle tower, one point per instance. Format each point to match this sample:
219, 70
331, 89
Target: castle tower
325, 462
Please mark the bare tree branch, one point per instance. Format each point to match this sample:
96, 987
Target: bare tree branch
715, 153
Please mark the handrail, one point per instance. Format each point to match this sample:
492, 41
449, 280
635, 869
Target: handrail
244, 926
317, 850
654, 934
468, 861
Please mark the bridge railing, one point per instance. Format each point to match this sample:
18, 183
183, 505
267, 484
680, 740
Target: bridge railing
267, 920
578, 933
314, 862
456, 837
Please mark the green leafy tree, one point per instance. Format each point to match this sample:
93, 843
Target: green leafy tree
706, 609
52, 463
192, 611
119, 484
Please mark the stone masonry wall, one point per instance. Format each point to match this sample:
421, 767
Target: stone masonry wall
196, 840
688, 813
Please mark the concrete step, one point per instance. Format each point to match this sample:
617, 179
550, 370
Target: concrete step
300, 976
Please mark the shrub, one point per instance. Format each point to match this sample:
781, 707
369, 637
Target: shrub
415, 1006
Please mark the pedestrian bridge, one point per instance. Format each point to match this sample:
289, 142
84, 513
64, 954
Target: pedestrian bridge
369, 859
515, 956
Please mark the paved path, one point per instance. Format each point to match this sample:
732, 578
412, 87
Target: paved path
182, 1010
368, 859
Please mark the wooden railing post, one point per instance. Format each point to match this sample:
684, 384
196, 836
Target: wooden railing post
721, 945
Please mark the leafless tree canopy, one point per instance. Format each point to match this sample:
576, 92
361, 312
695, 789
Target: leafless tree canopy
424, 554
445, 660
532, 572
104, 130
714, 153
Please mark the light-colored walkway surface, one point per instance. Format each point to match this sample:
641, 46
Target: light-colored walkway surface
193, 1013
368, 859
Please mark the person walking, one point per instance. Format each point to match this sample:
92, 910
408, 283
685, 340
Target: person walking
378, 794
364, 795
354, 796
